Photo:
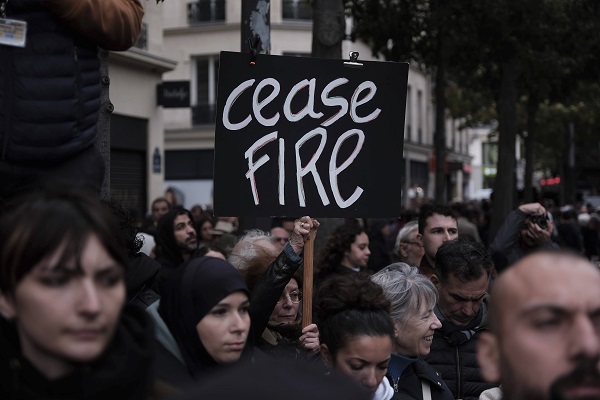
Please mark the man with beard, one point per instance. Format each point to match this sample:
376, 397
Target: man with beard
544, 338
176, 242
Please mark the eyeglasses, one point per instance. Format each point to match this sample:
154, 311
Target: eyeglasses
415, 243
280, 239
295, 297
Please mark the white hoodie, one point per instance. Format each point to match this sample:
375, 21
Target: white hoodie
384, 391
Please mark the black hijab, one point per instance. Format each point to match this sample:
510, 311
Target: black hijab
188, 296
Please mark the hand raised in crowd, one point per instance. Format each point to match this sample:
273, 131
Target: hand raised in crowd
309, 341
532, 209
536, 234
301, 233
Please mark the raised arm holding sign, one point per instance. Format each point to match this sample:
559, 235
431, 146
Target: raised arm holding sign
308, 136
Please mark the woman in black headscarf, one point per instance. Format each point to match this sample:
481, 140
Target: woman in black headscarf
206, 308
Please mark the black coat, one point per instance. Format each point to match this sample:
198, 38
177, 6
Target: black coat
454, 356
139, 280
507, 247
123, 372
58, 65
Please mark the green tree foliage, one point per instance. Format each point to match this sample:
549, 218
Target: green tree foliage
415, 31
500, 54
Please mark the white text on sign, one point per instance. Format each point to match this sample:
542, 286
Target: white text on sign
344, 107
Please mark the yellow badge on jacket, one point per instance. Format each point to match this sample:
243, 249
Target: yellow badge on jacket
13, 32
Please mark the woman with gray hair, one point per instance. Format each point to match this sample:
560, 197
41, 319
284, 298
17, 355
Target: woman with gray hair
413, 298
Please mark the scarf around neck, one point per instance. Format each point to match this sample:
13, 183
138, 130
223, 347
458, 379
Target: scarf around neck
456, 335
397, 366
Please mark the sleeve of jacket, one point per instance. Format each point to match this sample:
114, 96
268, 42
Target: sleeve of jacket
268, 289
506, 242
111, 24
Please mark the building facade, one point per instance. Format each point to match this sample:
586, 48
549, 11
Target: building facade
137, 123
184, 39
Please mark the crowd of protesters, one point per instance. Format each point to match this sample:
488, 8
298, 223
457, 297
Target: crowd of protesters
86, 314
96, 305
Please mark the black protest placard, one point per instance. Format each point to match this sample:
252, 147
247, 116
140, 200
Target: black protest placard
306, 136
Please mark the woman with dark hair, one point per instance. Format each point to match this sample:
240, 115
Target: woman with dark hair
356, 331
204, 229
345, 252
206, 308
64, 331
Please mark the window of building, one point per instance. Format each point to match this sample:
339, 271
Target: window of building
201, 11
408, 133
296, 9
489, 161
189, 164
453, 134
419, 116
204, 97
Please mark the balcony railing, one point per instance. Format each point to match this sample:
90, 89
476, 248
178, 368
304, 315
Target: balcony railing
296, 9
204, 114
201, 11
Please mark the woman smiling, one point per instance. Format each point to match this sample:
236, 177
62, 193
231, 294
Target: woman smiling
413, 298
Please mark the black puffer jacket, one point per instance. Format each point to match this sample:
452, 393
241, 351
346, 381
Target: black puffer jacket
55, 65
123, 372
139, 279
454, 355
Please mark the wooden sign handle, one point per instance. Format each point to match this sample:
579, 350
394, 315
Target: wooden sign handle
307, 286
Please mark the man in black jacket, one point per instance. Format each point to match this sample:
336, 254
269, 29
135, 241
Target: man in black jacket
526, 229
462, 271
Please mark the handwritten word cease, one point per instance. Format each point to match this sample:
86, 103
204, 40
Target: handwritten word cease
308, 110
